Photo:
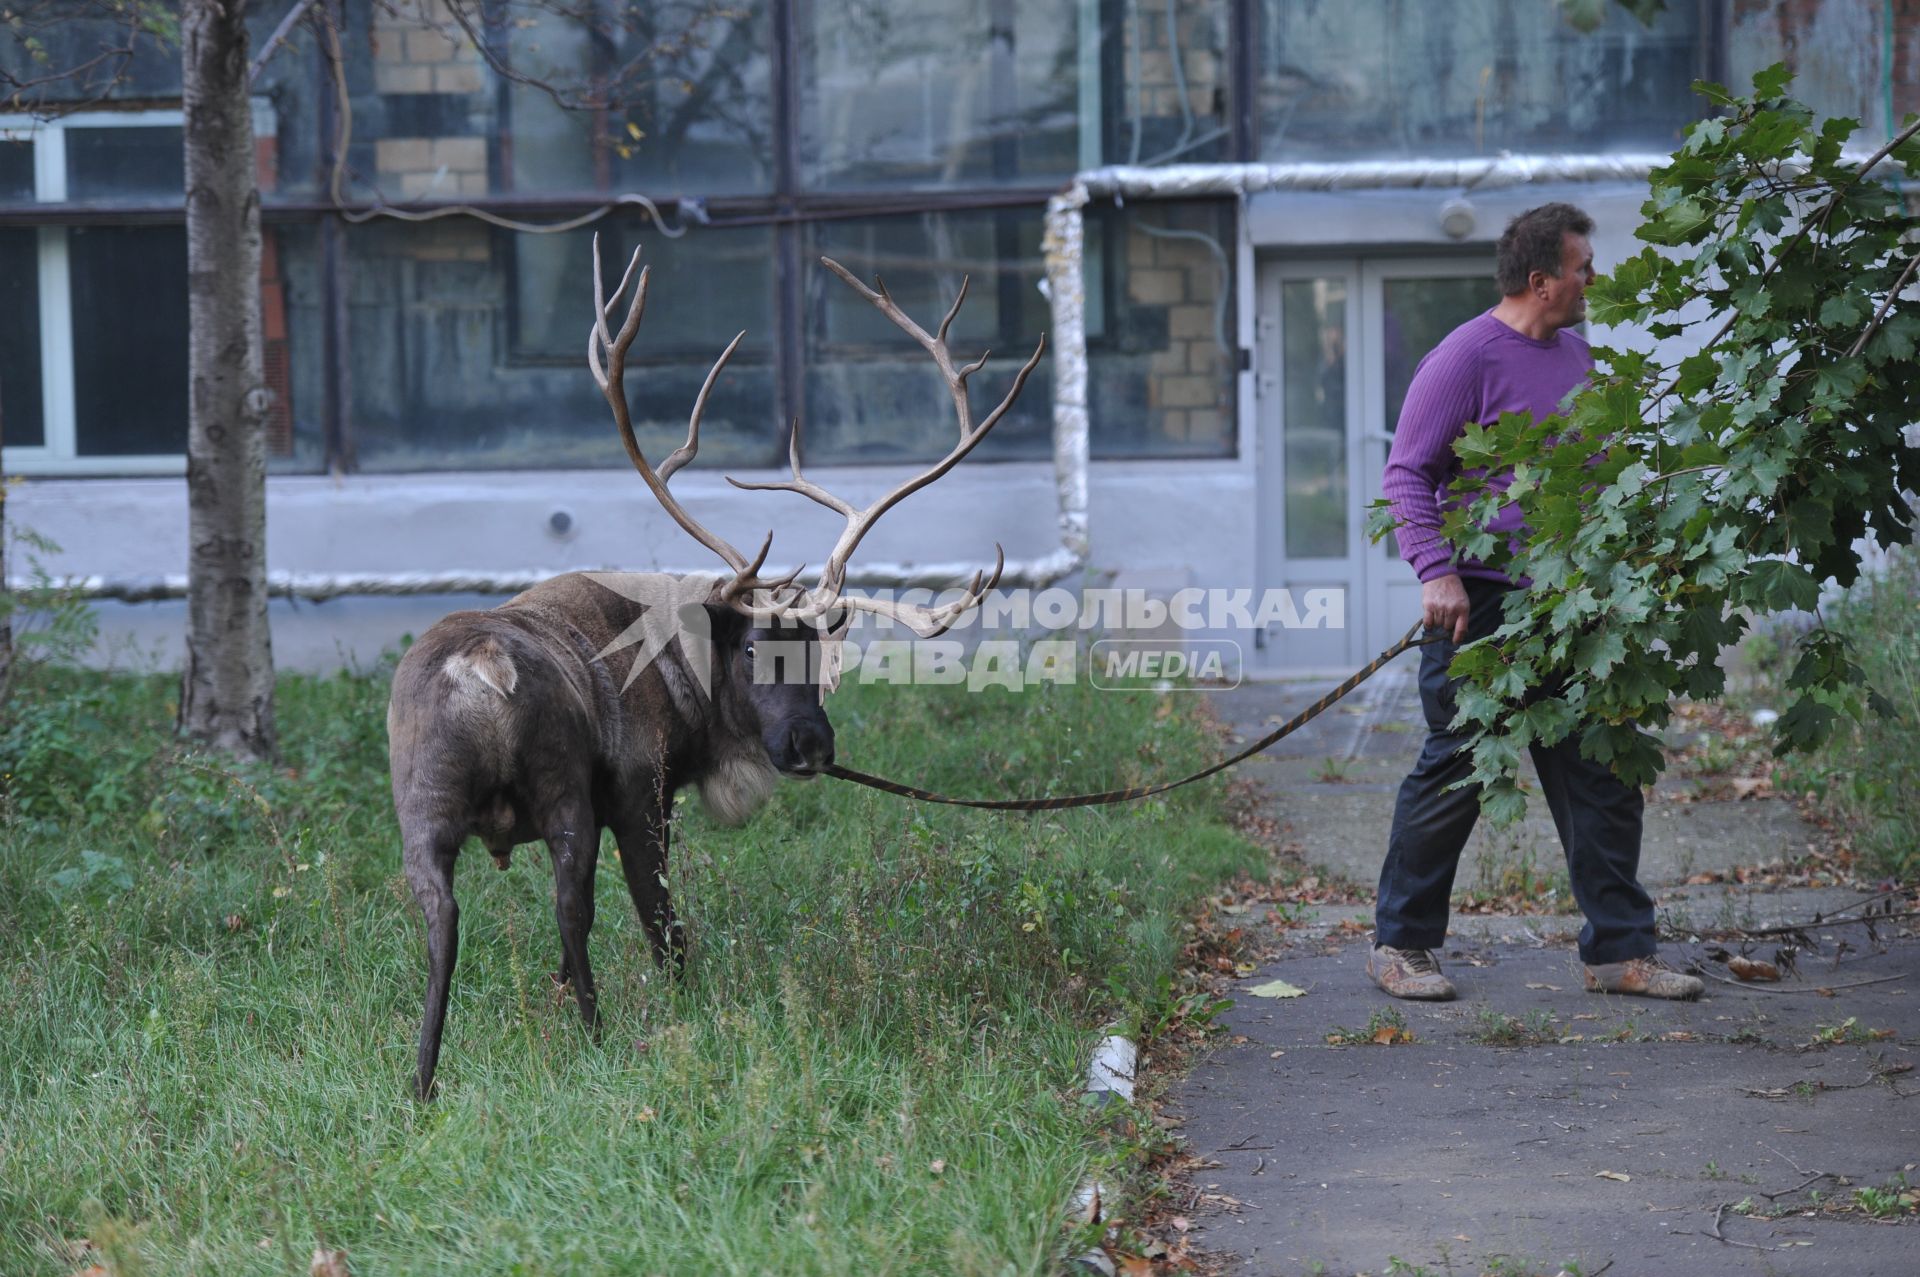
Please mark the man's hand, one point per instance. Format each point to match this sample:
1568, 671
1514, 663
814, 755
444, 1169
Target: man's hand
1443, 605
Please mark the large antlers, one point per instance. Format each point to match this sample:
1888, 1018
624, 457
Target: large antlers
829, 594
606, 355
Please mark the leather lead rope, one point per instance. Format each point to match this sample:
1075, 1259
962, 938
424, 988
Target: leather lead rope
1287, 728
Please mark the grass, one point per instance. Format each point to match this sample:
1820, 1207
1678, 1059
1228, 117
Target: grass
213, 979
1496, 1028
1869, 776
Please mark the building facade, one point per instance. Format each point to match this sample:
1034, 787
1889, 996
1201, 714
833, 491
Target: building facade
1336, 172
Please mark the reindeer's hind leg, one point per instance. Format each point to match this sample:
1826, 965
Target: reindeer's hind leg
573, 839
428, 854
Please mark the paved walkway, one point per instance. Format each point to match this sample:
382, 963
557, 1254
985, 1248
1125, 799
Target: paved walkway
1531, 1127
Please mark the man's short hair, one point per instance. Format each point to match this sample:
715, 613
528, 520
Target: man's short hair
1533, 242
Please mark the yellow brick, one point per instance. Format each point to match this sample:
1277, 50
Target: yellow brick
419, 186
1186, 392
1203, 68
1156, 287
473, 183
460, 154
1173, 424
1207, 424
428, 46
402, 77
1168, 362
1190, 322
402, 154
458, 77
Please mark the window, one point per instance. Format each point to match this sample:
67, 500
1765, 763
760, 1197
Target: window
93, 318
872, 393
469, 348
694, 115
1357, 79
1162, 352
94, 333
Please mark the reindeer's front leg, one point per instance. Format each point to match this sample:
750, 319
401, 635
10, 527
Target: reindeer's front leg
642, 832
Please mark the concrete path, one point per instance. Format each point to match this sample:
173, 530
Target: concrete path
1530, 1127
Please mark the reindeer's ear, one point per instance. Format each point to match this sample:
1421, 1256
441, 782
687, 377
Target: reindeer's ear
728, 624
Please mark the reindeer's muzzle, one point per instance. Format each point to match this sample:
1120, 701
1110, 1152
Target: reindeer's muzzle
801, 747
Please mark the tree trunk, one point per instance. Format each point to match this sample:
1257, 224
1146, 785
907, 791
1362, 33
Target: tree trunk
226, 695
6, 588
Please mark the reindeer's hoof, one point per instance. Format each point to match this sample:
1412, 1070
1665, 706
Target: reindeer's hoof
502, 860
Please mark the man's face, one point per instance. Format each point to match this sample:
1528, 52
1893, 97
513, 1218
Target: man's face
1565, 294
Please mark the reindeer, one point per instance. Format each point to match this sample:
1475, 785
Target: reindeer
588, 701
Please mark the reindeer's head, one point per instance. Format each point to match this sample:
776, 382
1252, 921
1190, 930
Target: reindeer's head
782, 643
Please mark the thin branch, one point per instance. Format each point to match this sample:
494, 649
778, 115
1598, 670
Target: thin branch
1861, 341
279, 36
1819, 988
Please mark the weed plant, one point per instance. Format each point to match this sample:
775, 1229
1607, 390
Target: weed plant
1870, 777
213, 977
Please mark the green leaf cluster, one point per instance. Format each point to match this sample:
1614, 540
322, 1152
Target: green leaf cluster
1727, 474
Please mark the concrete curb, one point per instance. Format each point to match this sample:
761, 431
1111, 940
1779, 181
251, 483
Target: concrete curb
1110, 1076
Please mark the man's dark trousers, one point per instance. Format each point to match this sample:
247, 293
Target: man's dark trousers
1598, 818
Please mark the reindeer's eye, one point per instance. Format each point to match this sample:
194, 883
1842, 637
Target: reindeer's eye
748, 650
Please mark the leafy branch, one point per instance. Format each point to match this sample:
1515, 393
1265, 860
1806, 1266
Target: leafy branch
1677, 497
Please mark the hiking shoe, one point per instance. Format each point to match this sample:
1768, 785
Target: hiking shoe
1644, 978
1409, 973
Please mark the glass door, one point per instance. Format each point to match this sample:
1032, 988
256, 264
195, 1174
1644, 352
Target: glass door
1339, 340
1412, 305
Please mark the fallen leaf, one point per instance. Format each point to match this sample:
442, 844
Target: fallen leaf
1754, 970
280, 893
1235, 910
937, 1165
95, 1271
1701, 880
1622, 1177
1181, 1223
328, 1263
1134, 1266
1677, 1035
1752, 786
1276, 989
1552, 988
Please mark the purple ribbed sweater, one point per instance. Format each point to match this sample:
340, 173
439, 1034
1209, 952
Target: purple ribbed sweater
1478, 371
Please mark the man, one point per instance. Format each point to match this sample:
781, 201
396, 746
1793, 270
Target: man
1518, 357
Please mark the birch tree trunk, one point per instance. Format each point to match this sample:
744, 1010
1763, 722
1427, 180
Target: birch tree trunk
6, 589
226, 696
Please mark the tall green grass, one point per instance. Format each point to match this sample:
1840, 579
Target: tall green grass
210, 982
1869, 776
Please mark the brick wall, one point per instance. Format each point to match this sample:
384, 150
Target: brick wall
419, 52
1189, 386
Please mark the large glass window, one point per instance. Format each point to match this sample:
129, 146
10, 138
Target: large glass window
1161, 348
16, 170
872, 393
1352, 79
1313, 335
690, 95
21, 424
93, 318
945, 92
129, 297
438, 384
130, 164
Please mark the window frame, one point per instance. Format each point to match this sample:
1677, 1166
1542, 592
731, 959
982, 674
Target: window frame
58, 454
